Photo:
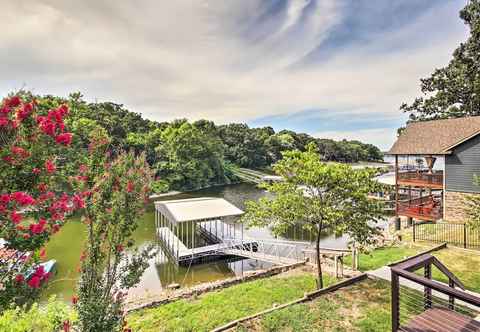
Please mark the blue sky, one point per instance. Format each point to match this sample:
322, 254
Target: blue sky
331, 68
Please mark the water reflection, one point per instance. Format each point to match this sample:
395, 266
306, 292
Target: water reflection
66, 247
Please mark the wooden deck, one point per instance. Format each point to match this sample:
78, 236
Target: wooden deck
441, 320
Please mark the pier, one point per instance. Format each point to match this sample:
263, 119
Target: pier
194, 230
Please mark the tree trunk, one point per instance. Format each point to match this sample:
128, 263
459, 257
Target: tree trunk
319, 265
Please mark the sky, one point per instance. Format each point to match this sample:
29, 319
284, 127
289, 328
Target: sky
331, 68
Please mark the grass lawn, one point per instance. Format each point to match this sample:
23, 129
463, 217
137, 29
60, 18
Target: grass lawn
364, 306
214, 309
384, 256
464, 264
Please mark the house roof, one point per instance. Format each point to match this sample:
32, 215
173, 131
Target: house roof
196, 209
436, 136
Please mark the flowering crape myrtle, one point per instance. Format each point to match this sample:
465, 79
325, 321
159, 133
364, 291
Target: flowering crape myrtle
33, 205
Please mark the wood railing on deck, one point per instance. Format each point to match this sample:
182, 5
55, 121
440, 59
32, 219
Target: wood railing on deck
426, 207
421, 177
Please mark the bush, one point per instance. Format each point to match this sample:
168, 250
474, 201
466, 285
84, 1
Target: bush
50, 318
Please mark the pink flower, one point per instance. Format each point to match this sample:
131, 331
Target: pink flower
78, 202
4, 121
36, 171
83, 168
50, 167
16, 217
65, 139
22, 198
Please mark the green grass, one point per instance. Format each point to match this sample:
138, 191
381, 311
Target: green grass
464, 264
364, 306
214, 309
384, 256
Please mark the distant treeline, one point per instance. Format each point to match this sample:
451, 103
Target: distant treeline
193, 155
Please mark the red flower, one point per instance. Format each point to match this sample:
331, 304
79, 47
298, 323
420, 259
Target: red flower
4, 121
119, 248
5, 198
37, 228
19, 278
66, 326
24, 112
78, 202
13, 102
20, 152
50, 167
83, 168
22, 198
16, 217
36, 171
74, 299
65, 139
43, 253
34, 282
130, 186
42, 187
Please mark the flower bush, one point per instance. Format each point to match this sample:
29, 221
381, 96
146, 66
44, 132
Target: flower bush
113, 192
32, 203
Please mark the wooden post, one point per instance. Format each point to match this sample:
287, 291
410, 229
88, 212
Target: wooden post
395, 302
396, 185
465, 236
451, 299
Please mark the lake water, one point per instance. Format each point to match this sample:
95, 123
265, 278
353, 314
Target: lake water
66, 246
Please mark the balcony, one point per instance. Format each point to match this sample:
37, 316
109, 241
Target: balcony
421, 178
427, 208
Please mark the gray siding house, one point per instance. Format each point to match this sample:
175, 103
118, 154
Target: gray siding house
433, 194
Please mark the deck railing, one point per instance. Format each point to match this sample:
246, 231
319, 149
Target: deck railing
421, 177
455, 234
427, 208
422, 304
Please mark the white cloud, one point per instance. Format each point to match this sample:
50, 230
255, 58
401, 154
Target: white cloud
223, 60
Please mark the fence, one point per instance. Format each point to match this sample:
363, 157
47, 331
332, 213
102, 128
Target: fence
460, 235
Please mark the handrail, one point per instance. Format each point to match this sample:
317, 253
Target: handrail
439, 287
405, 270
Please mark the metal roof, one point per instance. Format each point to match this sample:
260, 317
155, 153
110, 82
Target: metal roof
436, 137
196, 209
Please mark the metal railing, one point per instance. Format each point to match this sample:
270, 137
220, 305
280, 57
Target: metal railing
421, 177
456, 234
422, 304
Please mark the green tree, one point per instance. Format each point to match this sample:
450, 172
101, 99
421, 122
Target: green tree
191, 158
318, 196
453, 91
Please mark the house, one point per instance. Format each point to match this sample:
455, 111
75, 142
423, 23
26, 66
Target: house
424, 193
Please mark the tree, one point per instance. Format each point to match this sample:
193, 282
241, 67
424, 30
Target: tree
453, 91
318, 196
189, 158
473, 208
113, 195
33, 203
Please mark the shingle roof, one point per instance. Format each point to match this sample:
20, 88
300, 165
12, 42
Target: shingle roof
436, 136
